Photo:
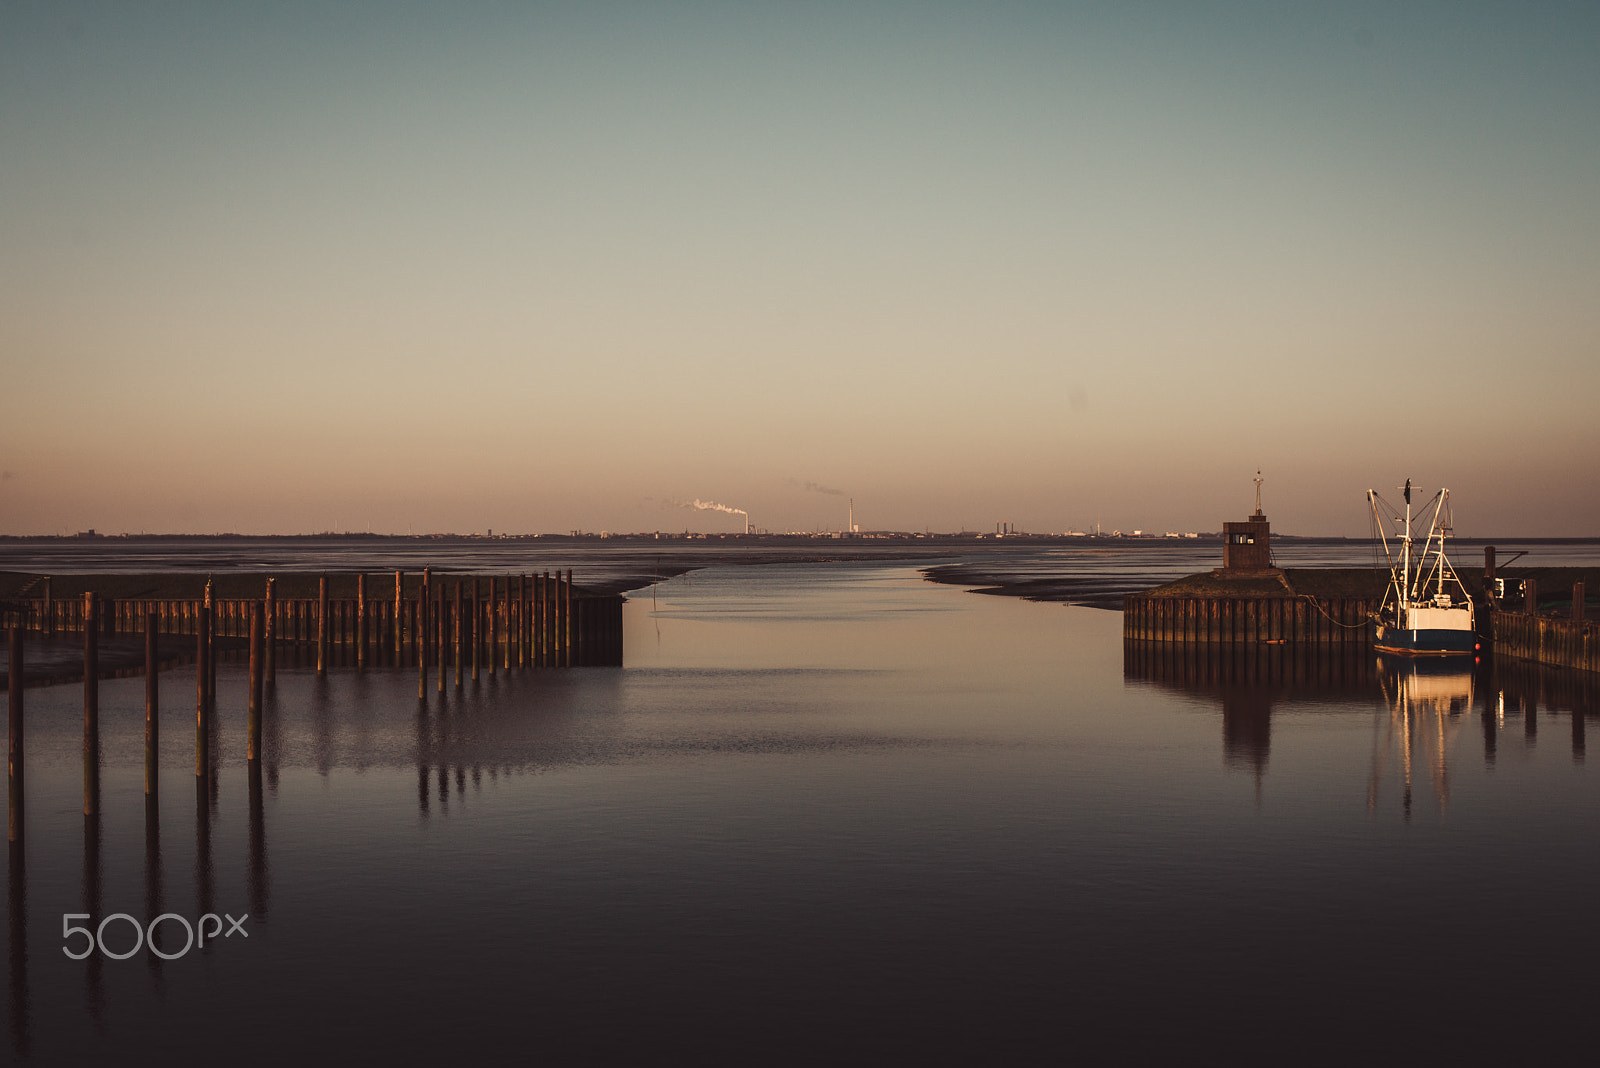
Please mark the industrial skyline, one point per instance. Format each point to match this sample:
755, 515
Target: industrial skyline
550, 267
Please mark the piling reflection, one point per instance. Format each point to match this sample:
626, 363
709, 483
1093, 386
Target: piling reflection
1424, 701
258, 882
93, 980
1248, 682
204, 877
153, 876
17, 933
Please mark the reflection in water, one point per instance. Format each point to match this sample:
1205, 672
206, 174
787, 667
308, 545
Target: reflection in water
1525, 688
322, 723
153, 875
424, 744
93, 986
17, 903
1427, 700
258, 881
1248, 682
204, 885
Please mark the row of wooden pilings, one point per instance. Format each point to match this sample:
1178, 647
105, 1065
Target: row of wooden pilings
534, 621
1335, 621
517, 621
1568, 643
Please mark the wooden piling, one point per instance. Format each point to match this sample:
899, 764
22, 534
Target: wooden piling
539, 597
211, 652
14, 764
566, 637
361, 622
91, 705
455, 619
476, 619
516, 657
439, 628
322, 624
270, 638
421, 625
258, 627
398, 622
1530, 596
494, 624
201, 650
49, 621
152, 705
1578, 595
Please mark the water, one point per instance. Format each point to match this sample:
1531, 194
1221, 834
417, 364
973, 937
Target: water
830, 810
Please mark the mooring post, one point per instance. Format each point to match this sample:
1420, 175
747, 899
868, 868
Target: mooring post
536, 623
152, 704
439, 638
550, 619
361, 622
567, 639
522, 619
14, 678
494, 624
322, 624
270, 638
201, 651
477, 619
258, 629
1530, 596
421, 624
49, 621
1578, 595
91, 705
455, 619
211, 651
399, 616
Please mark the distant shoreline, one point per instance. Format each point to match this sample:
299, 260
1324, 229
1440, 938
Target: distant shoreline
790, 540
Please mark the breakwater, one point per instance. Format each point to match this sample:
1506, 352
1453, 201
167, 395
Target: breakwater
476, 623
1297, 619
520, 621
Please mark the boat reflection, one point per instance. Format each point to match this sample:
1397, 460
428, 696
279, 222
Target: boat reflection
1427, 702
1421, 703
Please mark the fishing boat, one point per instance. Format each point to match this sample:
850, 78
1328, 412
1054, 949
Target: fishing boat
1426, 610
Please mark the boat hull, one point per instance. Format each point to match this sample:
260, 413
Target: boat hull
1424, 642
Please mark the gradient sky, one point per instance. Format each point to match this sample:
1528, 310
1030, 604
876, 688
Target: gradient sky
277, 268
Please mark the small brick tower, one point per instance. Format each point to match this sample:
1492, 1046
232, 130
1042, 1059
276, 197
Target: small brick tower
1247, 546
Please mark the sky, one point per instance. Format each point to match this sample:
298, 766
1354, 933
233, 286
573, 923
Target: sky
534, 268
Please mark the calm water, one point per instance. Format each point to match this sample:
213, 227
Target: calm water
829, 810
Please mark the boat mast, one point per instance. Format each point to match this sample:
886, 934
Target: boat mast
1444, 497
1405, 553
